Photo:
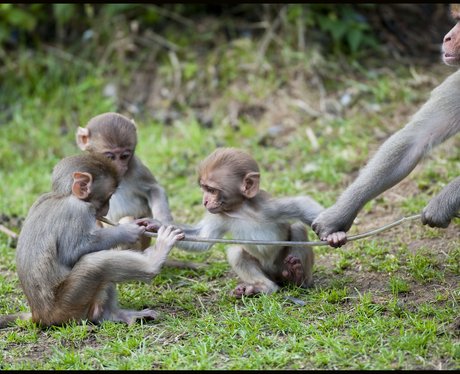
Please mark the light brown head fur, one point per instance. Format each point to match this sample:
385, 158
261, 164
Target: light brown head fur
235, 163
100, 168
107, 130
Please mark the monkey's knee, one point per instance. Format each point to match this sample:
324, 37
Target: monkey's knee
299, 232
234, 256
241, 261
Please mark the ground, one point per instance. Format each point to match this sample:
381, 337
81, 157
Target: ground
391, 297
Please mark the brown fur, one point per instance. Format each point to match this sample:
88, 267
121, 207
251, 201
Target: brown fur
111, 130
64, 261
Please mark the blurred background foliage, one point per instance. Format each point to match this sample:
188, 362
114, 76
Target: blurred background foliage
185, 54
344, 28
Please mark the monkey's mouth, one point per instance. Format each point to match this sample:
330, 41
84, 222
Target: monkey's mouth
448, 57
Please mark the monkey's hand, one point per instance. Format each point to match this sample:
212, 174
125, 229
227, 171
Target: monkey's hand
336, 239
150, 224
331, 226
437, 213
130, 232
167, 237
443, 207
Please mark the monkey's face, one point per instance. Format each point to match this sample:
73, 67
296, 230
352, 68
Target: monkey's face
100, 197
451, 46
121, 158
212, 199
220, 198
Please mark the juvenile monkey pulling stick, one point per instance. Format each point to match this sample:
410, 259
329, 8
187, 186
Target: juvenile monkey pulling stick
229, 179
64, 262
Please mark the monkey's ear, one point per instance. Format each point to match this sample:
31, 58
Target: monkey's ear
82, 138
81, 186
250, 186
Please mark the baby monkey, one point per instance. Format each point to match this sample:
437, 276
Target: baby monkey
64, 260
139, 195
229, 179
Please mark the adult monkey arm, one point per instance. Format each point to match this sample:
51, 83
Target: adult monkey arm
436, 121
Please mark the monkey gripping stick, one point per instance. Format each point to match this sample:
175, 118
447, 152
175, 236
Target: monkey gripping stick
280, 243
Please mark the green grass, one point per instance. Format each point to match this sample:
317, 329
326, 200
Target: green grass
385, 302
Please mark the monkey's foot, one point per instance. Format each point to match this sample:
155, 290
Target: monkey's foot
247, 289
293, 270
130, 316
244, 289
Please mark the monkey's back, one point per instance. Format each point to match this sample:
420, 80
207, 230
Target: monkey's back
37, 263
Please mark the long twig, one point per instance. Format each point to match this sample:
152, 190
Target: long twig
281, 242
8, 232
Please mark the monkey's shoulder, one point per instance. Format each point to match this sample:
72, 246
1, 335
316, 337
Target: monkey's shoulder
449, 86
139, 171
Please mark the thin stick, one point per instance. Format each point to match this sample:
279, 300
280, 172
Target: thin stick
8, 232
280, 243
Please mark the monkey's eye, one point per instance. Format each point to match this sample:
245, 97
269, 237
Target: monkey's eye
109, 155
125, 156
211, 190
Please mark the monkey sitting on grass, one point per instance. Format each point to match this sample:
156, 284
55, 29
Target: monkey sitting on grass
64, 260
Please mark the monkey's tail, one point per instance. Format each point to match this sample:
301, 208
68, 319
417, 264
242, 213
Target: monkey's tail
10, 319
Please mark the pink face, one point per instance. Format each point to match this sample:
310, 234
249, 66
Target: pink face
451, 45
211, 198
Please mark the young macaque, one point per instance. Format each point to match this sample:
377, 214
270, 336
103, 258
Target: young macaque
139, 195
435, 122
64, 260
229, 179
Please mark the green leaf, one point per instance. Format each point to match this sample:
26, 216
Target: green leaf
354, 38
64, 12
21, 18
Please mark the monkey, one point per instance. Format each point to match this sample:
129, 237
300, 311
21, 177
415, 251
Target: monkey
229, 179
139, 195
64, 260
436, 121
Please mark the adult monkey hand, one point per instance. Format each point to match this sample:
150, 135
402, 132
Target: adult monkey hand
436, 121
